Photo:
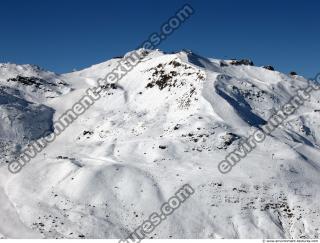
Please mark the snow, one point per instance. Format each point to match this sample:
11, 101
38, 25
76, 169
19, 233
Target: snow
106, 173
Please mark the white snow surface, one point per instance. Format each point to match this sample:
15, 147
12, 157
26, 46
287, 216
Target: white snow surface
106, 174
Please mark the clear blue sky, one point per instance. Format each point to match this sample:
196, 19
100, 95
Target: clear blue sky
62, 35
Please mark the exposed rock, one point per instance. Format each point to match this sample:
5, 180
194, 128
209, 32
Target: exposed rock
268, 67
223, 64
293, 73
246, 62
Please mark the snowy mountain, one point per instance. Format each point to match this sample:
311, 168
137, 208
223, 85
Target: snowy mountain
167, 123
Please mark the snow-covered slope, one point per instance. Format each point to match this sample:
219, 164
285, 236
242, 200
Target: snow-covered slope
24, 115
168, 122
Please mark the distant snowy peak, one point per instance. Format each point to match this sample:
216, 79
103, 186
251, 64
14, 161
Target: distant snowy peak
24, 92
9, 70
34, 83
